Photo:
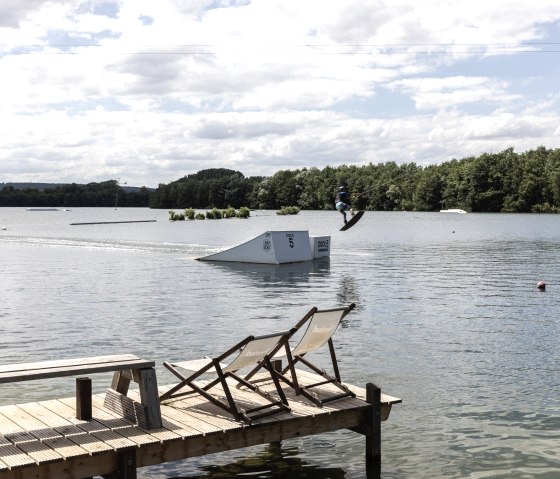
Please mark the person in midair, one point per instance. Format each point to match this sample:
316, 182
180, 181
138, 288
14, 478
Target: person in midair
343, 203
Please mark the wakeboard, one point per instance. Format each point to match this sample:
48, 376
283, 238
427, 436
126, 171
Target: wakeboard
352, 221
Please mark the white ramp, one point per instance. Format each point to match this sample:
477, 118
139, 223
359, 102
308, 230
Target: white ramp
273, 247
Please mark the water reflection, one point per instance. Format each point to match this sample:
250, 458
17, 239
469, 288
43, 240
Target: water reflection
275, 461
264, 275
349, 291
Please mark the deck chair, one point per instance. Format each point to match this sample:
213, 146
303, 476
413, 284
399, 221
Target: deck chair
321, 325
253, 351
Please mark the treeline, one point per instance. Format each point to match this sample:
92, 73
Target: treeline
107, 193
492, 182
211, 188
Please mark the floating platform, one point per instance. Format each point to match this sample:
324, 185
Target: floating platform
454, 210
43, 209
44, 439
112, 222
276, 247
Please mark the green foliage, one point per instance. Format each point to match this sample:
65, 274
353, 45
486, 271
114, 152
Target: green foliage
214, 214
173, 216
103, 194
243, 212
492, 182
229, 212
288, 210
211, 188
190, 213
545, 208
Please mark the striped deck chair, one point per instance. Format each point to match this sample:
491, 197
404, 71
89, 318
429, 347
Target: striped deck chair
253, 351
321, 325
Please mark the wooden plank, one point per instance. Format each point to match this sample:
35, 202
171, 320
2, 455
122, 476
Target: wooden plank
29, 423
13, 432
39, 452
88, 438
126, 407
63, 446
71, 367
68, 362
11, 457
191, 404
139, 435
66, 448
50, 418
250, 436
113, 439
100, 464
63, 418
91, 443
102, 432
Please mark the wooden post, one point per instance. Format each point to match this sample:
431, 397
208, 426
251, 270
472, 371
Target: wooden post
121, 381
127, 464
373, 434
83, 399
149, 396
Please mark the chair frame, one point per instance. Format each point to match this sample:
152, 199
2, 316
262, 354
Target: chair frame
293, 359
216, 366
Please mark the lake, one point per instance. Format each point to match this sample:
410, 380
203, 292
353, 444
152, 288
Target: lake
448, 318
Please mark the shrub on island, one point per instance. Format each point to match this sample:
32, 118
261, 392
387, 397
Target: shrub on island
213, 214
288, 210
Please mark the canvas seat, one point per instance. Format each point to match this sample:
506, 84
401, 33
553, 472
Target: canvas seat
320, 327
253, 351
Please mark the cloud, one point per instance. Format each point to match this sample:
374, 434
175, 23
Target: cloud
152, 91
446, 92
12, 12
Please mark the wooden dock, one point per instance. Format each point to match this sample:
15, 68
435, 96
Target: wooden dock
45, 440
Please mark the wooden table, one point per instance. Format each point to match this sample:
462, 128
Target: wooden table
126, 367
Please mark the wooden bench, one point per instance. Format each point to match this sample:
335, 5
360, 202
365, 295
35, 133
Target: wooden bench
126, 367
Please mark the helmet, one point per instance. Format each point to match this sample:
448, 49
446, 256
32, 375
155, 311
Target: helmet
342, 188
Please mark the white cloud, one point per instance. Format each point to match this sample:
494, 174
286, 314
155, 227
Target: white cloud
446, 92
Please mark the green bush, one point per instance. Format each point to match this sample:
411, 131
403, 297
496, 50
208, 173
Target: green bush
288, 210
214, 214
243, 212
190, 213
173, 216
229, 212
544, 208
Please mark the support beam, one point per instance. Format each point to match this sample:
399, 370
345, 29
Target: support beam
83, 399
149, 396
126, 465
373, 434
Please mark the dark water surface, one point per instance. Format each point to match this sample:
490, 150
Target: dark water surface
448, 318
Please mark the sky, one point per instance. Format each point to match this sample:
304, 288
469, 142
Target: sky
146, 92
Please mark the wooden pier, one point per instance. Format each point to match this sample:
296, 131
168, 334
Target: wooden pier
46, 440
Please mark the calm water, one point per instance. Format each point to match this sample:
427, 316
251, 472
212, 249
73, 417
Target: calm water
449, 319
